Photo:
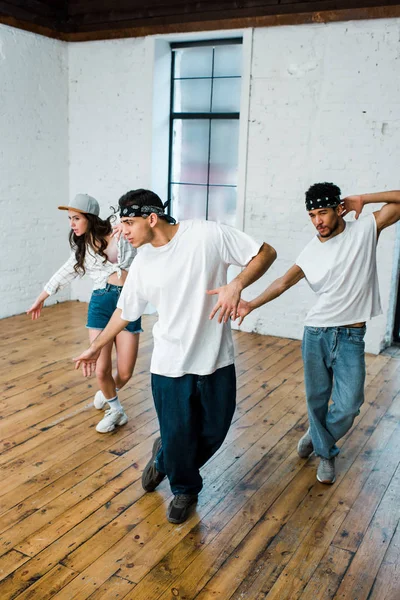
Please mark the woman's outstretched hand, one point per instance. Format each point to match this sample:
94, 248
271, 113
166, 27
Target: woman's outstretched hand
87, 360
36, 309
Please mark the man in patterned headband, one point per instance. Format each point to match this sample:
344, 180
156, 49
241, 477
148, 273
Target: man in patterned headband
179, 270
339, 264
319, 198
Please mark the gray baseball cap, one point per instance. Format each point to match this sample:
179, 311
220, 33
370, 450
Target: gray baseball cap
83, 203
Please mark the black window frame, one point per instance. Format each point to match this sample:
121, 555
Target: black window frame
197, 115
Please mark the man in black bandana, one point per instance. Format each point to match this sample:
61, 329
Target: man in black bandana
339, 265
181, 269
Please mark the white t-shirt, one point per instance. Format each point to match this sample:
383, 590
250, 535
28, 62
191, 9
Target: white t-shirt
174, 279
342, 272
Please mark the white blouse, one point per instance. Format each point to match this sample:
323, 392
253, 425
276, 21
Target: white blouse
95, 267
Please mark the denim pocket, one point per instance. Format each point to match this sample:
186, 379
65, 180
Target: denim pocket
357, 336
100, 292
314, 330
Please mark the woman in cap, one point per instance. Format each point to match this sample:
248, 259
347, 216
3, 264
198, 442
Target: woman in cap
95, 251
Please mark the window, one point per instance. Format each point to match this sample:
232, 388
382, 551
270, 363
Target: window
204, 129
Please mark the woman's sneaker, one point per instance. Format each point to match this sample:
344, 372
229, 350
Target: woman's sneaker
112, 418
99, 401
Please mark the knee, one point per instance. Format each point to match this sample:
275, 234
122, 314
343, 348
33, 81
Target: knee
348, 413
353, 404
124, 376
103, 373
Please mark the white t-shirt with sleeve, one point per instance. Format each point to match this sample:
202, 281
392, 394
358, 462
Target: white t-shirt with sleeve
342, 272
174, 279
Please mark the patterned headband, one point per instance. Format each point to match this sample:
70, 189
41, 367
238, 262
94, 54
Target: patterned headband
324, 202
144, 211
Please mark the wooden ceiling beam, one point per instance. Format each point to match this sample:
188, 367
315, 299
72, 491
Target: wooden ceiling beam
380, 12
32, 27
76, 7
52, 18
219, 10
39, 16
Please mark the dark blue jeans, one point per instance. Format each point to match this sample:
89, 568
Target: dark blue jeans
334, 365
194, 412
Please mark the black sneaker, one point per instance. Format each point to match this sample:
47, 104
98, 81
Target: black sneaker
179, 508
151, 478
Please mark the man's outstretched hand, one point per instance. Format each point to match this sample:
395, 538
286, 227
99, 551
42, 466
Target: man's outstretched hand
243, 310
228, 301
87, 360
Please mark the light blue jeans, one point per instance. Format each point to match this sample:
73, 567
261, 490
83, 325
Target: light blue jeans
334, 365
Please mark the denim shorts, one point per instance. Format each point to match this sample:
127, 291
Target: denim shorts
101, 307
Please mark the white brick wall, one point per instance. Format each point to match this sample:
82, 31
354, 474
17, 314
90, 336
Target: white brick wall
325, 105
33, 165
110, 94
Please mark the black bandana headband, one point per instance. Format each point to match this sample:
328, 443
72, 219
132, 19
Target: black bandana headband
323, 202
144, 211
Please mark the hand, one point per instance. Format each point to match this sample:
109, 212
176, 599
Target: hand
352, 203
117, 231
88, 361
36, 309
228, 300
243, 310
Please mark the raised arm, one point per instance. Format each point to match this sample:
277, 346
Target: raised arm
277, 287
229, 295
388, 215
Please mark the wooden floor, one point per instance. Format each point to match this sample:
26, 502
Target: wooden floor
75, 522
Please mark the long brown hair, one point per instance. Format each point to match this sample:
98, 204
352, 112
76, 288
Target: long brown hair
95, 237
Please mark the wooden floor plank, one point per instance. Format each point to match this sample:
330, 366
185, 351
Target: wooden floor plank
93, 444
354, 526
114, 588
117, 510
159, 536
327, 576
215, 474
49, 585
10, 562
49, 493
312, 507
75, 522
361, 574
258, 570
387, 581
80, 501
303, 542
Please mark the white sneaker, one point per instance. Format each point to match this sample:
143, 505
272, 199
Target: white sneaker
111, 418
99, 400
